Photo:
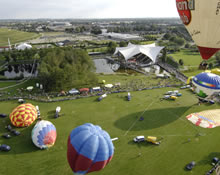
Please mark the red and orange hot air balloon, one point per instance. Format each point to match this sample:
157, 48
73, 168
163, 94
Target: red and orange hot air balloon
202, 20
23, 115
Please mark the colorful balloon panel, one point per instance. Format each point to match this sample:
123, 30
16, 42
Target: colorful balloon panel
206, 84
201, 19
44, 134
23, 115
89, 149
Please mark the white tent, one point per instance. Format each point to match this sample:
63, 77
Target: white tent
23, 46
150, 50
109, 85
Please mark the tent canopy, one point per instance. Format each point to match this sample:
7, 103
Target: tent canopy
23, 46
150, 50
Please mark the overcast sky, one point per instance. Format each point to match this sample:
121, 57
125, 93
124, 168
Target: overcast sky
26, 9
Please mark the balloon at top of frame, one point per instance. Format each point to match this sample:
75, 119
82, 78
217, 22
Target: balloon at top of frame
202, 20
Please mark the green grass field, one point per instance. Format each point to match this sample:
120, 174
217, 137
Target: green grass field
6, 84
164, 119
15, 36
189, 58
192, 59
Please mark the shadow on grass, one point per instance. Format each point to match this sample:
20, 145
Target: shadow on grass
20, 144
142, 144
150, 119
51, 114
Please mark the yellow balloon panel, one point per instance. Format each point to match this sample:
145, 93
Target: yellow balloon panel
23, 115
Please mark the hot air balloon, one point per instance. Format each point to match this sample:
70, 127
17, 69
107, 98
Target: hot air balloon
89, 149
44, 134
205, 119
202, 20
23, 115
206, 84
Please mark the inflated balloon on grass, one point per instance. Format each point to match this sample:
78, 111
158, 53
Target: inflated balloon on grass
89, 149
44, 134
23, 115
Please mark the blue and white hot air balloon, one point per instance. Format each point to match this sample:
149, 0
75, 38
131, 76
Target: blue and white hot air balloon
89, 149
206, 84
44, 134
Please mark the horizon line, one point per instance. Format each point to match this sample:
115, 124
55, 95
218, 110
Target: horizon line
89, 18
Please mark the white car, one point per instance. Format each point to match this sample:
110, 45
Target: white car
139, 139
169, 92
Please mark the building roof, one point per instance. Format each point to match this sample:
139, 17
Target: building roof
23, 46
150, 50
121, 36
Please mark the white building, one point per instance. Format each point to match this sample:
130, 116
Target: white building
23, 46
142, 54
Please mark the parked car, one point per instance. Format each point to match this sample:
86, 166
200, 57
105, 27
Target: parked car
8, 127
21, 100
3, 115
183, 87
190, 165
16, 133
6, 135
215, 160
4, 147
139, 139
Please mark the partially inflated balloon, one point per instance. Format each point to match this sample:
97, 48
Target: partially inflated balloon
89, 149
206, 84
44, 134
23, 115
202, 20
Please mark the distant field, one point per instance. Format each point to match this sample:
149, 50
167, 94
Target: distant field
189, 58
15, 36
147, 42
6, 84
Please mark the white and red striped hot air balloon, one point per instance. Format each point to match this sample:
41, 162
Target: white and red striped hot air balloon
202, 20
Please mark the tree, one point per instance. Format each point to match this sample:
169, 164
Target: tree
123, 44
210, 65
164, 55
96, 30
167, 36
187, 45
65, 68
172, 62
111, 47
181, 62
217, 58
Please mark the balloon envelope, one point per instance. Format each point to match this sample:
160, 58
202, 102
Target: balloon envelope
206, 84
89, 149
44, 134
23, 115
202, 20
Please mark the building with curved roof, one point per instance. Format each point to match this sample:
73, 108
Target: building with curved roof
23, 46
144, 54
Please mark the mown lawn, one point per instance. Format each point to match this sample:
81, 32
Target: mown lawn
15, 36
189, 58
6, 83
164, 119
